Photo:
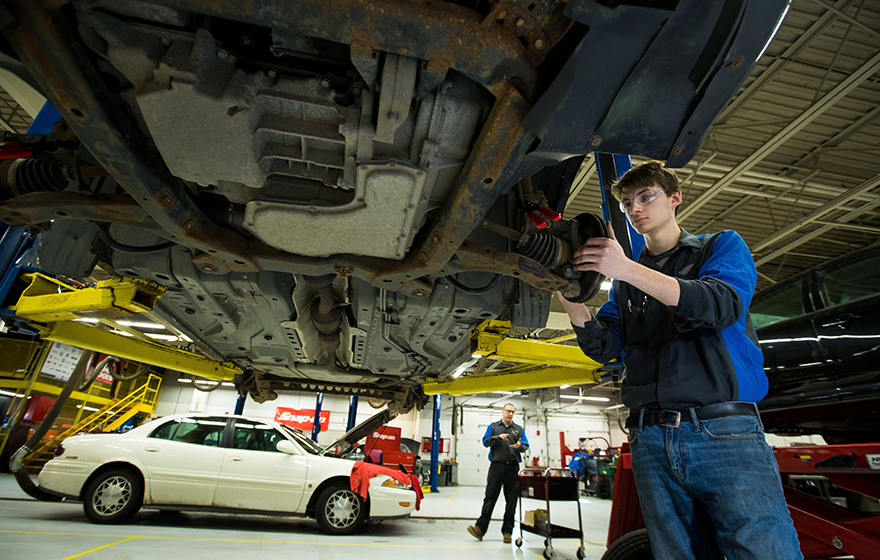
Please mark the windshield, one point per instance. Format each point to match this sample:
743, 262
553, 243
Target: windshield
304, 442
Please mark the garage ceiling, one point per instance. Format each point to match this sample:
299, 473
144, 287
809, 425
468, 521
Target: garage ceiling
793, 162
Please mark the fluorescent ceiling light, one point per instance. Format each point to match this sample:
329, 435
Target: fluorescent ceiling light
598, 399
228, 384
566, 386
184, 380
167, 337
8, 394
86, 407
135, 325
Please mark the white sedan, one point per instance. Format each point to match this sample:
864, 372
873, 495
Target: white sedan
221, 463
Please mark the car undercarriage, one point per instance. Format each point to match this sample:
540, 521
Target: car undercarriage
337, 192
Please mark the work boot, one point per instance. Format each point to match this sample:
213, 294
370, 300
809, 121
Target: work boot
507, 538
476, 532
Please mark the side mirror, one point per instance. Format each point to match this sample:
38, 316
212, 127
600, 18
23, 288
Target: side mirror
286, 446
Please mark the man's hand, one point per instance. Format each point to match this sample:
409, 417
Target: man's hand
603, 255
503, 436
516, 445
577, 312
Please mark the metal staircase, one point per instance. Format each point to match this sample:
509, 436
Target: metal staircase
111, 417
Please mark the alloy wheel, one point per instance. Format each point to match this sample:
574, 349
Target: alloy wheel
342, 509
112, 495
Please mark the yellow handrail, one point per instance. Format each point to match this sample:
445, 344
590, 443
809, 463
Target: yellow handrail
142, 399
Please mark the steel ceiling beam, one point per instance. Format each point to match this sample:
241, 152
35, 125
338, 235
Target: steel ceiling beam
748, 198
816, 214
842, 89
840, 13
822, 230
844, 134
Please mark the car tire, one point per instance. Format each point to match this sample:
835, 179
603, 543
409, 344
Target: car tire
340, 511
631, 546
114, 496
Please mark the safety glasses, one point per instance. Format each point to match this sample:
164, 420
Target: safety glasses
642, 199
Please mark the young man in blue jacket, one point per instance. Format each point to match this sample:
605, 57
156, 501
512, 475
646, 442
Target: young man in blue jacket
707, 480
506, 441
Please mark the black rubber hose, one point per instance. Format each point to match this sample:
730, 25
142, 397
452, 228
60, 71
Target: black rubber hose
143, 369
117, 246
208, 390
92, 373
476, 291
15, 462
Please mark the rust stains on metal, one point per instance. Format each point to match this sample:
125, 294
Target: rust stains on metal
38, 208
484, 51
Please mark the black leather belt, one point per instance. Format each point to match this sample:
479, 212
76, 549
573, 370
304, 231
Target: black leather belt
673, 418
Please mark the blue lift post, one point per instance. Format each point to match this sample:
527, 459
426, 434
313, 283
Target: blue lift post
316, 426
44, 122
352, 412
239, 404
609, 168
435, 444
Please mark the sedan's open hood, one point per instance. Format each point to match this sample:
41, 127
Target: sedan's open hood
363, 429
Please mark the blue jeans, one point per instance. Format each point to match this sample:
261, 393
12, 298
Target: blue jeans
711, 489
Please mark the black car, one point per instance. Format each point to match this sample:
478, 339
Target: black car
820, 334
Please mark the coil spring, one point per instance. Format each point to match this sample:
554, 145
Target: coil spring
33, 175
544, 248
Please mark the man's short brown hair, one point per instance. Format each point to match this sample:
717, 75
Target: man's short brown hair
644, 176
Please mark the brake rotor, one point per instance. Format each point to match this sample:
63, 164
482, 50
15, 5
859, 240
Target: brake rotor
589, 225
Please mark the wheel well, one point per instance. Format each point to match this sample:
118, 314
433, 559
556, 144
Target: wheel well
110, 466
336, 480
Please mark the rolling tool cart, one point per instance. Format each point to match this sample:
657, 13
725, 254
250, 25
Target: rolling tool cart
550, 485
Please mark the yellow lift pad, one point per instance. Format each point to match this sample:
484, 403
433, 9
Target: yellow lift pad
549, 365
46, 299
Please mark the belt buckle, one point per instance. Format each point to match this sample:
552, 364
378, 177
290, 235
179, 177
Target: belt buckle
677, 420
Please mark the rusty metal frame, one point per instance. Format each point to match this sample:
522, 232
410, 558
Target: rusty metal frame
40, 207
51, 50
443, 33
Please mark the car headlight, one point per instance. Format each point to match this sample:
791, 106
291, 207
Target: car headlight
394, 483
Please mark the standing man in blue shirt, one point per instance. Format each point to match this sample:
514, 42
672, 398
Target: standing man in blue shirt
707, 480
506, 442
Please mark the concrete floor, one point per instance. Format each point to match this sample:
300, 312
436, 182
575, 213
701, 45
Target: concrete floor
34, 530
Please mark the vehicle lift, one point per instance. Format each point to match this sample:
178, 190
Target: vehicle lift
50, 307
543, 364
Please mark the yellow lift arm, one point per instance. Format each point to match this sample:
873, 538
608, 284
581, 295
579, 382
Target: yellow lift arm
46, 299
56, 304
128, 348
549, 365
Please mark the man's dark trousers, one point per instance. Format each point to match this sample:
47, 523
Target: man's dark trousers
501, 475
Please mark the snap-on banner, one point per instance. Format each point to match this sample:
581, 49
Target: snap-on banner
301, 418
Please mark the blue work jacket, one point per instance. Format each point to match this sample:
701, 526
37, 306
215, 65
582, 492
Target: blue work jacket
703, 351
499, 449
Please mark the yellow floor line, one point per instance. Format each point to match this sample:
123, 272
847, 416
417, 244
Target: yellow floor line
263, 541
99, 548
452, 496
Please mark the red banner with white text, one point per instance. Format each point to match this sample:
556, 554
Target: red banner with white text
302, 418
